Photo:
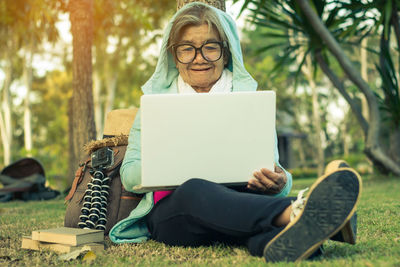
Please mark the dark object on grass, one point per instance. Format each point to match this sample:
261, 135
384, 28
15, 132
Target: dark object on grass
25, 179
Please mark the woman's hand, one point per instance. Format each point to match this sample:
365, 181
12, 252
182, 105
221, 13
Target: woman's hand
267, 181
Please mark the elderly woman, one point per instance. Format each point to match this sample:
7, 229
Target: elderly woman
201, 54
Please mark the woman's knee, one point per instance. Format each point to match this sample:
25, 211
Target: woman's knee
194, 182
191, 188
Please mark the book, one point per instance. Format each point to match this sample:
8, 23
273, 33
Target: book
28, 243
69, 236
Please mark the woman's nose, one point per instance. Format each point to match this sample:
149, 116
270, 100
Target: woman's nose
199, 57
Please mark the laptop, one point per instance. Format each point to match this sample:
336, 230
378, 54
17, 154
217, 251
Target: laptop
221, 137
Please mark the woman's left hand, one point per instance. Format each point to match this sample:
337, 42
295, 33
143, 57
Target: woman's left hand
267, 181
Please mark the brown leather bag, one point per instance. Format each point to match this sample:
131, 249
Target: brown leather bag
119, 203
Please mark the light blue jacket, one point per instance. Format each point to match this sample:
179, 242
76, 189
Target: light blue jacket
164, 80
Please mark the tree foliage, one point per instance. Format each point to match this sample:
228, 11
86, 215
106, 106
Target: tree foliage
321, 26
137, 24
123, 33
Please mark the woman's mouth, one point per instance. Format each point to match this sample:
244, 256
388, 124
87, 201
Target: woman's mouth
201, 69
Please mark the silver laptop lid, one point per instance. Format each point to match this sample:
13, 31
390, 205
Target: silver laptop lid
222, 137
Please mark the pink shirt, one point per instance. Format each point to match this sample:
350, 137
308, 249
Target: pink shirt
158, 195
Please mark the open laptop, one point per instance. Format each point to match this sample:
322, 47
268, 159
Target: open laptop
221, 137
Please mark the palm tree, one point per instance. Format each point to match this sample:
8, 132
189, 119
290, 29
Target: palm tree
373, 148
316, 25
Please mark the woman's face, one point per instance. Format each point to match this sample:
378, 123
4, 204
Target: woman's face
200, 74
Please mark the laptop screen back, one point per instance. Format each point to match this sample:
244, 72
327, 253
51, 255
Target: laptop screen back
222, 137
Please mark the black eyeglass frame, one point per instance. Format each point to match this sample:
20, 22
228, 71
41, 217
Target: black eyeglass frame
222, 45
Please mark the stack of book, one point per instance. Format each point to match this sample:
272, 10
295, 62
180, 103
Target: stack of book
64, 240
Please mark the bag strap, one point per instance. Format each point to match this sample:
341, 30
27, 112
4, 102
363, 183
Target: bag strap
81, 172
78, 178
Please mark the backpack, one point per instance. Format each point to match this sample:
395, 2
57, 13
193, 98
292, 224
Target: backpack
115, 204
25, 180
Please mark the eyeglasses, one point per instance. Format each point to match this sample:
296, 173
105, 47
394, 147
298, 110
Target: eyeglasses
210, 51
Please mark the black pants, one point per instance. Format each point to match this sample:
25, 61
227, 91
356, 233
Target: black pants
200, 212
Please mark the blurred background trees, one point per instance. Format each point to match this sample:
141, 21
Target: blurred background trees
322, 113
36, 72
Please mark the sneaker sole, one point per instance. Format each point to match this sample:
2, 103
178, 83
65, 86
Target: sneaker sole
348, 234
335, 165
330, 204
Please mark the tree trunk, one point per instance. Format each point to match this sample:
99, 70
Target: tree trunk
373, 148
346, 140
364, 75
307, 70
111, 76
386, 71
6, 129
395, 144
81, 117
339, 85
98, 115
5, 142
111, 88
71, 160
215, 3
27, 74
318, 129
316, 121
302, 155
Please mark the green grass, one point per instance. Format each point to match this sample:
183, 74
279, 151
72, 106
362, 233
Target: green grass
378, 237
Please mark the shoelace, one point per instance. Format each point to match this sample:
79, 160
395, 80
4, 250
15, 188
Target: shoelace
298, 204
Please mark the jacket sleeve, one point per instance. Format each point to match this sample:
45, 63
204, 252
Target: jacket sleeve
131, 166
286, 189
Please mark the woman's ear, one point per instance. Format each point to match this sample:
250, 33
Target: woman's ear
227, 55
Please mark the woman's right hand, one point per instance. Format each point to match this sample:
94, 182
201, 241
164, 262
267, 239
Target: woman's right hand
267, 181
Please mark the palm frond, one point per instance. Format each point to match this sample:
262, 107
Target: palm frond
268, 47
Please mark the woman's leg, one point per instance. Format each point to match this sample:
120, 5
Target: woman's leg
283, 219
200, 212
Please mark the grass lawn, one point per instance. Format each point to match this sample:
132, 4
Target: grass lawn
378, 237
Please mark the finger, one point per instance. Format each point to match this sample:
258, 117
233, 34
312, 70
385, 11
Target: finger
252, 187
264, 189
268, 183
257, 184
272, 176
277, 178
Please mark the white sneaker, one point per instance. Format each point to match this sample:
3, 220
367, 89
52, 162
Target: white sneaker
298, 204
